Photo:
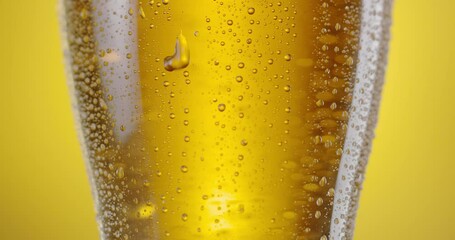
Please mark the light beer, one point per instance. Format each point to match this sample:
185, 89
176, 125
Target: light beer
225, 119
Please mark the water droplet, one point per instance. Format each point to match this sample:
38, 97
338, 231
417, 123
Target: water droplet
251, 11
339, 151
239, 79
103, 104
165, 2
186, 138
120, 172
184, 169
241, 206
181, 57
141, 11
184, 217
287, 57
244, 142
230, 22
289, 215
337, 26
323, 181
84, 14
287, 88
311, 187
221, 107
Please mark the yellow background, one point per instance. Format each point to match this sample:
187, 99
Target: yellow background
409, 191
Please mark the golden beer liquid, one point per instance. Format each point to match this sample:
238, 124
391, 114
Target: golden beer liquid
234, 120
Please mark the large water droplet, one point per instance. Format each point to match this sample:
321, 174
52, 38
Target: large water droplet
181, 57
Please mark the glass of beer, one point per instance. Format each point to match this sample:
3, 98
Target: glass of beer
226, 119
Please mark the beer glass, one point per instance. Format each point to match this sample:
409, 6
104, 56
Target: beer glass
226, 119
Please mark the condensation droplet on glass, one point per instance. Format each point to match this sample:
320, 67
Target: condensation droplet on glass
181, 57
221, 107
